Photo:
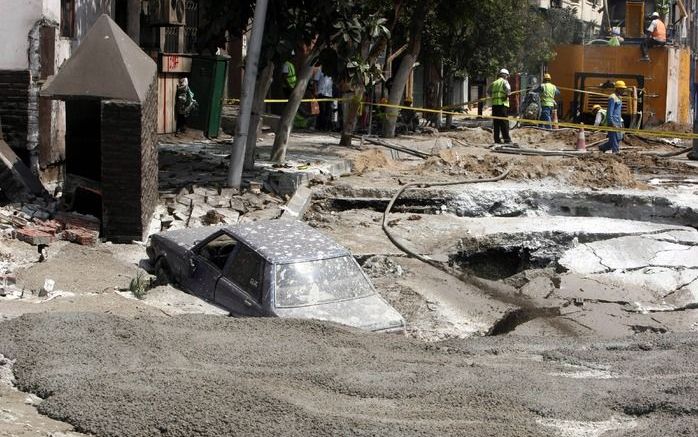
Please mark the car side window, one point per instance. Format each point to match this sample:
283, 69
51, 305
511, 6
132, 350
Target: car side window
218, 250
247, 270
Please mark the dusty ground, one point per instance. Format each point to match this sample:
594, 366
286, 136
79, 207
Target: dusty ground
198, 375
588, 343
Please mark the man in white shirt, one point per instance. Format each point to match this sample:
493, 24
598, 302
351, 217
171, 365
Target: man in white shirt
323, 90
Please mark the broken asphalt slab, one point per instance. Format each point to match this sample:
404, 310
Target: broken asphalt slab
665, 266
205, 375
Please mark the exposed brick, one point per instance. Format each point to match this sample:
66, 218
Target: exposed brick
14, 106
129, 167
34, 236
81, 236
75, 220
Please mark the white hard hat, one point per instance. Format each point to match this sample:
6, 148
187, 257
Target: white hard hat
504, 71
655, 14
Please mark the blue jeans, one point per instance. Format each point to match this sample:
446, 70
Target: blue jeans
613, 143
546, 114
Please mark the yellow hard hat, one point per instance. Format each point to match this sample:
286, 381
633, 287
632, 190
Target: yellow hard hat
547, 76
595, 108
620, 84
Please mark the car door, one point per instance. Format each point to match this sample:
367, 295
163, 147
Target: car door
205, 264
241, 288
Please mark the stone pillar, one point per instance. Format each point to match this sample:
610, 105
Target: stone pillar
129, 167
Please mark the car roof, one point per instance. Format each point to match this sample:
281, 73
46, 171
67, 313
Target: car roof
286, 241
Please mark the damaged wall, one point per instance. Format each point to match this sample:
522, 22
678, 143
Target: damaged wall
33, 126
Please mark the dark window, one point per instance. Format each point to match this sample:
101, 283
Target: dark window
246, 271
218, 250
191, 27
68, 18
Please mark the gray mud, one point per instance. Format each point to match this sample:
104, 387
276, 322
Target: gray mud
195, 375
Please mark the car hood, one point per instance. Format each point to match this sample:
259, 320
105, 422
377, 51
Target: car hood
371, 313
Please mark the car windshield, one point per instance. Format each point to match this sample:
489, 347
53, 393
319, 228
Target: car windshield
318, 282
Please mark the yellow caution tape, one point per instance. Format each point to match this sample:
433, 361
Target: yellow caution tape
237, 101
639, 132
650, 133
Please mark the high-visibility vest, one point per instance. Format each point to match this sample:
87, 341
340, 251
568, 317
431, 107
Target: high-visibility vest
659, 32
603, 117
500, 96
291, 78
547, 95
614, 41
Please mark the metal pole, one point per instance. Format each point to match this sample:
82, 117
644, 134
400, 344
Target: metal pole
693, 155
237, 153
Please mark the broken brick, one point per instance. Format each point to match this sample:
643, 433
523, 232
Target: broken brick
34, 236
73, 220
52, 227
82, 236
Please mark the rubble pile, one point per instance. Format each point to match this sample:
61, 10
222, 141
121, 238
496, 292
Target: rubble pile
196, 206
40, 224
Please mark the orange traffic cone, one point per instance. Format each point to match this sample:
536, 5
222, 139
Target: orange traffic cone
555, 121
581, 139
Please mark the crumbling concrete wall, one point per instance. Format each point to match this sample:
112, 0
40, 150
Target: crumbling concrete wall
129, 167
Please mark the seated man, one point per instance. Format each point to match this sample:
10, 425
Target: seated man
616, 40
656, 36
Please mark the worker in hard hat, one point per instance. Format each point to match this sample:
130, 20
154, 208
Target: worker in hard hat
499, 91
614, 118
548, 93
599, 114
656, 36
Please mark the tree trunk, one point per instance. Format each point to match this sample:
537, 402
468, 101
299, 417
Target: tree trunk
448, 99
351, 115
397, 91
278, 151
261, 90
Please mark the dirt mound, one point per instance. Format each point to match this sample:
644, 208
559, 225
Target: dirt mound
672, 126
652, 164
205, 375
602, 171
370, 159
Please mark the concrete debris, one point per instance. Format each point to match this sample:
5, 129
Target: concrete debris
377, 266
196, 206
47, 288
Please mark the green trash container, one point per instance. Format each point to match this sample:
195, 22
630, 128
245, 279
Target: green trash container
207, 82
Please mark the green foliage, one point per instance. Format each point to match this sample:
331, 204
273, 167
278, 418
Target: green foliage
356, 35
662, 6
139, 285
479, 38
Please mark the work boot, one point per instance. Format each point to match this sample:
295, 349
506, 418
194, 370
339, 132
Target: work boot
645, 59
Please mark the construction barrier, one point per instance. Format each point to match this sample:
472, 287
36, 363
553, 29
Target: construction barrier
638, 132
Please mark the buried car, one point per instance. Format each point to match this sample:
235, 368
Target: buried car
272, 268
